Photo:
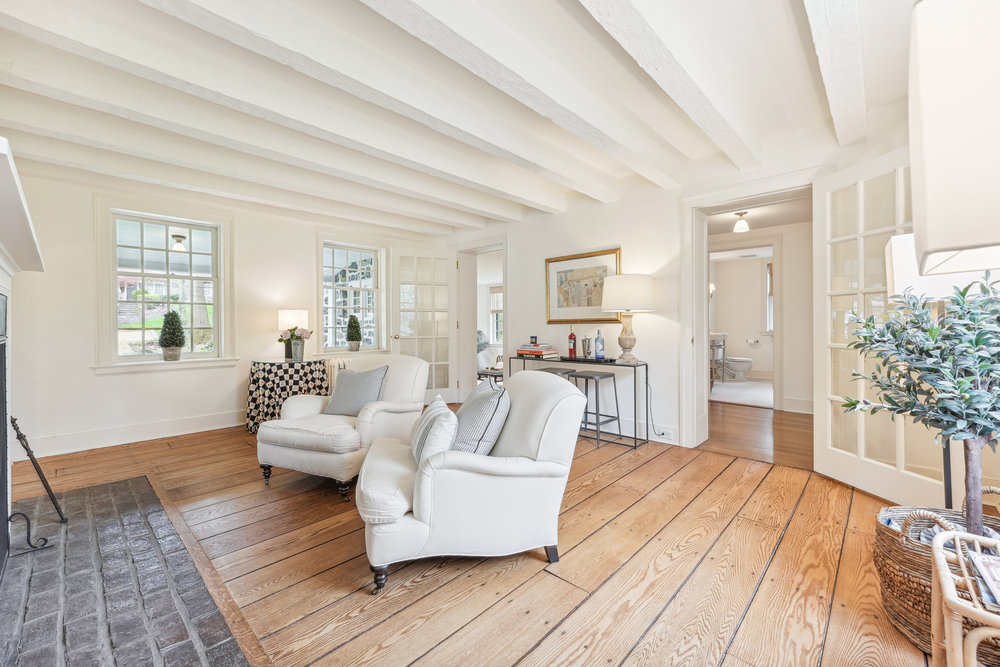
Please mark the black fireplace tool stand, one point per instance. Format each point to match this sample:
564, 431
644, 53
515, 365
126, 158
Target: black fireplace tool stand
42, 542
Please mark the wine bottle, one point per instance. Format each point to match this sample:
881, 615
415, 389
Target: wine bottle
572, 343
599, 346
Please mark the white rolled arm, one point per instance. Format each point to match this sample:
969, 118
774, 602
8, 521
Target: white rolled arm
387, 419
303, 405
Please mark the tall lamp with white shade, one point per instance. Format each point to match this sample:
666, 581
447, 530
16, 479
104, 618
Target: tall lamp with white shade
627, 293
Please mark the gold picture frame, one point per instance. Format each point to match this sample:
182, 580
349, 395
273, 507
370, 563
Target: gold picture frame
574, 286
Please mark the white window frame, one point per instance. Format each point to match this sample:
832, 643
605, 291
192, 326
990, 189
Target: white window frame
106, 212
379, 276
768, 297
493, 312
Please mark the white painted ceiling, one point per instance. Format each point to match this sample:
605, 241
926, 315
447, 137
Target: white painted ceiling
435, 115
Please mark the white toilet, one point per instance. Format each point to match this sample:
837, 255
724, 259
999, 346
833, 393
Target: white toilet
737, 367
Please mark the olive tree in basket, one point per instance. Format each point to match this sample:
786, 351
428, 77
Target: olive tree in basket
171, 336
941, 368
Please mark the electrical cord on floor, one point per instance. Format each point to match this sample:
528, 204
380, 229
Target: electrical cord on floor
649, 397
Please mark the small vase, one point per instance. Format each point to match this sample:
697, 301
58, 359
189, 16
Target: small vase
353, 345
288, 350
297, 348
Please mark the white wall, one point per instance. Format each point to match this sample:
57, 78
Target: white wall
61, 403
739, 311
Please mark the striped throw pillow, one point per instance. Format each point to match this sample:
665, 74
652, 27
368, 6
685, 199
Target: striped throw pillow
434, 431
481, 418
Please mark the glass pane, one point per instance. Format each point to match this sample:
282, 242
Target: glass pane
327, 256
328, 340
353, 278
880, 202
184, 310
425, 270
204, 291
441, 271
425, 324
129, 288
907, 196
368, 334
341, 296
328, 317
425, 297
875, 304
441, 297
880, 438
844, 212
875, 259
441, 350
128, 259
129, 342
180, 263
368, 300
844, 430
152, 344
425, 349
201, 265
201, 240
128, 233
441, 376
154, 235
202, 315
407, 323
844, 266
340, 258
180, 290
923, 455
408, 346
327, 275
843, 363
154, 261
340, 277
407, 296
353, 259
203, 340
441, 323
129, 316
367, 277
156, 289
840, 308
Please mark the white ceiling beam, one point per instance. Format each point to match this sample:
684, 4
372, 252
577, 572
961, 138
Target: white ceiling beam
474, 38
67, 78
37, 115
85, 158
299, 35
227, 76
836, 33
637, 26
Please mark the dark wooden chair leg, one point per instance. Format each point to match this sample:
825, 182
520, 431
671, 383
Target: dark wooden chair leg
343, 487
552, 553
267, 473
381, 574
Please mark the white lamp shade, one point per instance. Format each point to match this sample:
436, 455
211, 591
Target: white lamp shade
741, 226
293, 318
901, 271
954, 134
628, 293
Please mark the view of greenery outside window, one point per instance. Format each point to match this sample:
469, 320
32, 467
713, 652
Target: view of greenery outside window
496, 314
351, 286
162, 264
769, 297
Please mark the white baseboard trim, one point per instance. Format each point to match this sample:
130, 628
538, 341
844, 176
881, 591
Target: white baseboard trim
68, 443
669, 436
797, 405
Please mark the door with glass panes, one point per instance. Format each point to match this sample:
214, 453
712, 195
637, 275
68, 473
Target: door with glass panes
855, 212
422, 315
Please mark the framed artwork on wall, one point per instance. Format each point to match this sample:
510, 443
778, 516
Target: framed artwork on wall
574, 286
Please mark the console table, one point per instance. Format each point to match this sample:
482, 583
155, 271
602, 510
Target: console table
271, 382
610, 366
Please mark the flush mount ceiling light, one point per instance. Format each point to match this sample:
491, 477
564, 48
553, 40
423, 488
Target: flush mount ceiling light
741, 224
178, 242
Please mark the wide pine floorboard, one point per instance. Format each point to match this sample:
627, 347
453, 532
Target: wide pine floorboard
669, 556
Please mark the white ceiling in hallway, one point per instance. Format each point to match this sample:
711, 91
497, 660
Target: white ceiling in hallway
434, 115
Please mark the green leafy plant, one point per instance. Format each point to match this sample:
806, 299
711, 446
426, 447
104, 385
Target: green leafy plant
943, 370
481, 342
172, 333
353, 329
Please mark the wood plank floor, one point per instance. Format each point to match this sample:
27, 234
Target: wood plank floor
773, 436
669, 556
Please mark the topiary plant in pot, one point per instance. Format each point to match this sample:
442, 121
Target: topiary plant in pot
171, 336
941, 370
353, 334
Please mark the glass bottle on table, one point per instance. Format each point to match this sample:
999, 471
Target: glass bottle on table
572, 343
599, 346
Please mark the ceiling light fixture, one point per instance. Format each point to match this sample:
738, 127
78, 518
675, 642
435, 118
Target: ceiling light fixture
741, 224
178, 242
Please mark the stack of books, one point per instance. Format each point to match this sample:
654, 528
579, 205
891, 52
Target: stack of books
537, 351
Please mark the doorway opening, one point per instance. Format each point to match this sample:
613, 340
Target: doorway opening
481, 315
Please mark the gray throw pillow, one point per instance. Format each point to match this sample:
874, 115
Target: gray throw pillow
481, 418
434, 431
354, 390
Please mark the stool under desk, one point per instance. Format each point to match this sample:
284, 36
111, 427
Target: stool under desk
607, 366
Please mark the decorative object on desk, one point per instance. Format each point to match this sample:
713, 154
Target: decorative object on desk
571, 343
287, 319
295, 337
537, 351
533, 339
599, 346
588, 347
627, 294
353, 334
172, 336
574, 286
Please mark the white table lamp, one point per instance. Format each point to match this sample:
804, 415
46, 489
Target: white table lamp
627, 294
293, 318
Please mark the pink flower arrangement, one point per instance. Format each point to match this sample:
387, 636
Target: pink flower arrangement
295, 333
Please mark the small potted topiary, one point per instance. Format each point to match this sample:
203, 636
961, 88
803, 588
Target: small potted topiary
171, 336
353, 334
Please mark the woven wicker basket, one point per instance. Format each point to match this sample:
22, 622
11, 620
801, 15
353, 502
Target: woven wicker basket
903, 563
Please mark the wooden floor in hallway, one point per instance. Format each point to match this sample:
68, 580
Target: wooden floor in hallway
761, 434
669, 556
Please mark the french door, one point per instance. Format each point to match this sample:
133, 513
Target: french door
855, 211
422, 314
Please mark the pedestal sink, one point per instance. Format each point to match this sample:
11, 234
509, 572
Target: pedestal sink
718, 337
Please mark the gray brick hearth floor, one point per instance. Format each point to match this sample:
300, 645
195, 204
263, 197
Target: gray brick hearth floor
117, 588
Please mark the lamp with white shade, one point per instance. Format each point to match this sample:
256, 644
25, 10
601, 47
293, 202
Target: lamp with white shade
741, 224
288, 318
627, 293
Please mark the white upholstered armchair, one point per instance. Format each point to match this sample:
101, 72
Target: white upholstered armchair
334, 445
462, 504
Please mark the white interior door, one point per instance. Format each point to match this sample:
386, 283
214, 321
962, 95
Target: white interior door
855, 211
422, 314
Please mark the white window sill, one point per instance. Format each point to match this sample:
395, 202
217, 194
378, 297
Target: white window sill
160, 365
